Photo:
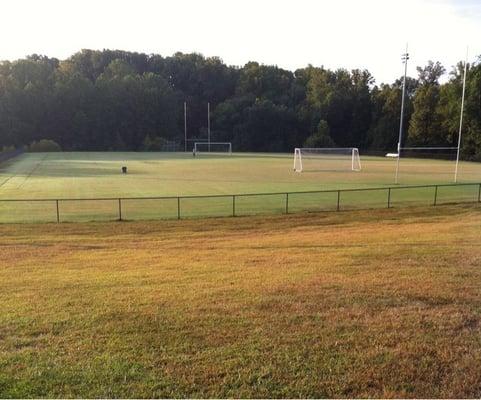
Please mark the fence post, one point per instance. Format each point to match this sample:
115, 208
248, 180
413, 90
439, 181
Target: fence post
338, 200
389, 198
178, 207
287, 203
58, 213
120, 209
479, 193
435, 195
233, 205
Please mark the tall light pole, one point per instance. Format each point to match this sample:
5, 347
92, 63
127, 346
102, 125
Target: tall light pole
185, 126
208, 124
404, 58
461, 118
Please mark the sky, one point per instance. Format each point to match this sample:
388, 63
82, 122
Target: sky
365, 34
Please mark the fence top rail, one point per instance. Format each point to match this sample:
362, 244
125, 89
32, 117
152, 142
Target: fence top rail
247, 194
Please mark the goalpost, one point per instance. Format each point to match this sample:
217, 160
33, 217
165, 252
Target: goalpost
439, 161
327, 159
213, 148
436, 151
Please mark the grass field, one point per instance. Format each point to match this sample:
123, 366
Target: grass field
358, 304
97, 175
60, 175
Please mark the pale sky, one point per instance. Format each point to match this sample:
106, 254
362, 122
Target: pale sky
368, 34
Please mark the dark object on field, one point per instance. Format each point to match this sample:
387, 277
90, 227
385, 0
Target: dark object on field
124, 170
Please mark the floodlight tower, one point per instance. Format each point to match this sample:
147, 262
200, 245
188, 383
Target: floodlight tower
404, 58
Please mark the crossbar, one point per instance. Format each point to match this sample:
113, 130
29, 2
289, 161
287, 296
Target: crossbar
429, 148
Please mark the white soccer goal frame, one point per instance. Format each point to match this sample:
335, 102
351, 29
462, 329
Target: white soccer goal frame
298, 167
210, 150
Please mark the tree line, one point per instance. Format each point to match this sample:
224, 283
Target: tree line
117, 100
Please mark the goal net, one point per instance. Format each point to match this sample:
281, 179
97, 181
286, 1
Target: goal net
327, 159
212, 148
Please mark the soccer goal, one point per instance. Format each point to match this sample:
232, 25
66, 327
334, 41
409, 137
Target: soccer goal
213, 148
327, 159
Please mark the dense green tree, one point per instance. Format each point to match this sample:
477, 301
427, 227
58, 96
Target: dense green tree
471, 144
321, 137
26, 97
383, 133
266, 82
449, 105
425, 123
277, 123
118, 100
341, 98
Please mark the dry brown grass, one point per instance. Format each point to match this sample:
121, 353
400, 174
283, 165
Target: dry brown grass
367, 304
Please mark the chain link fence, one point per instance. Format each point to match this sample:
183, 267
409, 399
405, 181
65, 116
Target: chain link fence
151, 208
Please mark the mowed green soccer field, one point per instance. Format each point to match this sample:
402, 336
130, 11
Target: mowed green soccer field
89, 175
97, 174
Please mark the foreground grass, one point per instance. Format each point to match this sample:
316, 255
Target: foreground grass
365, 304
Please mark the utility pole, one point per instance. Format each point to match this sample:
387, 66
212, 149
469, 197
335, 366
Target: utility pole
404, 58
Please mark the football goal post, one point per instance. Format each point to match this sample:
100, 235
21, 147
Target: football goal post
436, 162
212, 148
327, 159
